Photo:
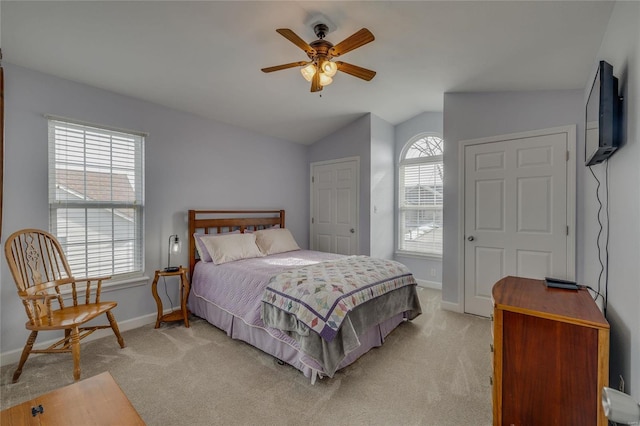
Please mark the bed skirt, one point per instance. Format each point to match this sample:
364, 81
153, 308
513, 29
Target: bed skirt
281, 346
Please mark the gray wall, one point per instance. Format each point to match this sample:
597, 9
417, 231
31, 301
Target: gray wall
427, 270
190, 163
477, 115
353, 140
382, 190
621, 48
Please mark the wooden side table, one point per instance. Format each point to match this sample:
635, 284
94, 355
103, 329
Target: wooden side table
183, 313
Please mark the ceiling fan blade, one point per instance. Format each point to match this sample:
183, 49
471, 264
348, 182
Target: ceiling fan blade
285, 66
356, 40
315, 83
293, 38
355, 70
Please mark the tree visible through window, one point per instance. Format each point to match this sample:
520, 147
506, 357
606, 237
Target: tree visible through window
420, 196
96, 197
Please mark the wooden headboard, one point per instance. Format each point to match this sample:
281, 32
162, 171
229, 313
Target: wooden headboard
219, 221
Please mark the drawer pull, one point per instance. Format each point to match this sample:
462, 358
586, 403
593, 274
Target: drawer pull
491, 380
491, 346
36, 410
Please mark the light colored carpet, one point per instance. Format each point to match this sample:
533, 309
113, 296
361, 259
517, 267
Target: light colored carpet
432, 371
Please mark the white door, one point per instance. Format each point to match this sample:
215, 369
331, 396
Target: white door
334, 206
518, 208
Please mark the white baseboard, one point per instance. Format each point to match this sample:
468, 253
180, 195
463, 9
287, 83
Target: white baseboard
12, 357
450, 306
429, 284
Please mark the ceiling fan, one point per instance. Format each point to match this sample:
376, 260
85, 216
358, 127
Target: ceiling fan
321, 69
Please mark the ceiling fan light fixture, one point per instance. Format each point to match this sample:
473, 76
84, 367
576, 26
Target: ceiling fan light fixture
325, 80
329, 68
308, 72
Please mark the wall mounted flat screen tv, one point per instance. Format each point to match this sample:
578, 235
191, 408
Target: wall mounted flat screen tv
602, 118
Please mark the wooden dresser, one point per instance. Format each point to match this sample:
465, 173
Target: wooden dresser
551, 355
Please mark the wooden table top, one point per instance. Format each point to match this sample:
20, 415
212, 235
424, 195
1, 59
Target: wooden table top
94, 401
533, 297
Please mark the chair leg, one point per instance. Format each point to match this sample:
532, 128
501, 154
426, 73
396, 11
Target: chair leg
25, 354
116, 330
75, 350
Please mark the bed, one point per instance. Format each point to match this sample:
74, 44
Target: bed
265, 298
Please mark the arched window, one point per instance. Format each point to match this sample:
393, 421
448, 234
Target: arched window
420, 196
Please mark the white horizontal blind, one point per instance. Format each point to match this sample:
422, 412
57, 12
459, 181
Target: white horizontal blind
421, 197
96, 198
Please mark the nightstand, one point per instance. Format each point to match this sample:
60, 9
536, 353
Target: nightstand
183, 313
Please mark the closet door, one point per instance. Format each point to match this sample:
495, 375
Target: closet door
515, 212
334, 206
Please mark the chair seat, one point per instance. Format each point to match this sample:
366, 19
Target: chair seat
71, 316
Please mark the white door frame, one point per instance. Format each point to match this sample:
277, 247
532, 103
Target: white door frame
336, 161
571, 195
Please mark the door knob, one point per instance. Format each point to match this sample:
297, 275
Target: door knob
471, 238
353, 231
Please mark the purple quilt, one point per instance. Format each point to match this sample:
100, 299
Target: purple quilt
321, 295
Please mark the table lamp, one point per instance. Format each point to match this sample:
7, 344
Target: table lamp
175, 246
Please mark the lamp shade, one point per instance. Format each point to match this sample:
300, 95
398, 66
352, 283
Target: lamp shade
325, 80
329, 68
175, 246
308, 72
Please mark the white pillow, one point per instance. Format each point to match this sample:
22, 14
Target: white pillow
272, 241
203, 254
230, 247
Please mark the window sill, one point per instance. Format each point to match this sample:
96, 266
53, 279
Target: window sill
414, 255
113, 285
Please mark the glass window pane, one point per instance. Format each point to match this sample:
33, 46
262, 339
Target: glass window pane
421, 197
427, 146
96, 199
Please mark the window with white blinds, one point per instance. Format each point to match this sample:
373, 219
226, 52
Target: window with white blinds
420, 197
96, 201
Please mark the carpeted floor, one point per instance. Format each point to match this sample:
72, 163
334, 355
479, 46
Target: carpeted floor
432, 371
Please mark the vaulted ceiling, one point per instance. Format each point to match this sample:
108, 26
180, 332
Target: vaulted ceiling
205, 57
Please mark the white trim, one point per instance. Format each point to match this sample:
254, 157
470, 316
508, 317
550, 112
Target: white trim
98, 126
451, 306
570, 130
336, 161
13, 356
429, 284
571, 199
109, 285
419, 255
125, 283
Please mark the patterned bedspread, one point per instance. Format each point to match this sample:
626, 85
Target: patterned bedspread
321, 295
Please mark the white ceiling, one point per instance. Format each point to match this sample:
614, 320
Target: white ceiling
205, 57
